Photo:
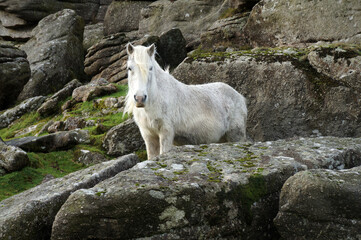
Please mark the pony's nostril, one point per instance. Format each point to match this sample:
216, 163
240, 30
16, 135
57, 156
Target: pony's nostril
135, 97
145, 97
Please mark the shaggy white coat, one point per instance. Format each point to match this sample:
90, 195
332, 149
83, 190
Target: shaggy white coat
176, 113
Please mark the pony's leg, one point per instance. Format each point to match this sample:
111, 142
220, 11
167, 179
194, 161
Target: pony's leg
152, 145
166, 138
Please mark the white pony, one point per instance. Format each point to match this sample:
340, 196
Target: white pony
169, 112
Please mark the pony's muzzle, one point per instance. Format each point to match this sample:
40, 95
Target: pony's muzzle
139, 100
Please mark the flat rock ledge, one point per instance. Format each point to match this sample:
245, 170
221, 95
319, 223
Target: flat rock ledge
218, 191
34, 210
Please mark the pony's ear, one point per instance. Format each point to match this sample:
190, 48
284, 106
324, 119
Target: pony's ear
130, 48
151, 50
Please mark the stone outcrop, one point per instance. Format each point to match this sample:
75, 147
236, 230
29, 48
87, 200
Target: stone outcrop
51, 142
35, 209
191, 16
321, 204
12, 158
123, 139
10, 115
51, 105
224, 33
55, 53
287, 22
108, 58
88, 158
286, 96
14, 72
95, 88
123, 16
210, 191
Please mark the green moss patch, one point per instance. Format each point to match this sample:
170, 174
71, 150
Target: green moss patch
58, 164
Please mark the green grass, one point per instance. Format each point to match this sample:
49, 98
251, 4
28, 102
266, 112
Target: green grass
57, 164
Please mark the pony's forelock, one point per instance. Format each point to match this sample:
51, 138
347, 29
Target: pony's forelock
141, 58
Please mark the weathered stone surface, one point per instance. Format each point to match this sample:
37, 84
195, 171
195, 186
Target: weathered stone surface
286, 96
33, 11
51, 105
14, 28
51, 142
55, 53
123, 16
35, 209
321, 204
14, 74
340, 63
224, 32
14, 113
123, 139
190, 16
171, 48
87, 157
12, 158
210, 191
107, 59
95, 88
93, 34
288, 22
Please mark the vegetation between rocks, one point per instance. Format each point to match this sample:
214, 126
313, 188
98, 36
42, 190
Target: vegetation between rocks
59, 163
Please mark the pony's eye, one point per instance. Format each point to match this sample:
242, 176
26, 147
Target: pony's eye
151, 68
129, 69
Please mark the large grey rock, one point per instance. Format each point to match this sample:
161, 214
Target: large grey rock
35, 209
321, 204
286, 96
123, 16
10, 115
19, 17
51, 105
12, 158
55, 53
93, 34
33, 11
95, 88
14, 74
192, 17
216, 191
341, 63
123, 139
171, 48
287, 22
51, 142
224, 33
108, 58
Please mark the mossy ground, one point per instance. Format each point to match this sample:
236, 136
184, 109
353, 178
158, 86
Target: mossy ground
59, 163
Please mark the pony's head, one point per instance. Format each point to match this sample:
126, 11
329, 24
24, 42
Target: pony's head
141, 67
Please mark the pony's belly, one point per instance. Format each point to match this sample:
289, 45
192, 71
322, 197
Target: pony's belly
190, 139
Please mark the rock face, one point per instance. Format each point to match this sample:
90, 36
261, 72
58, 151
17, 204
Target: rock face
12, 158
51, 105
286, 96
321, 204
190, 16
108, 58
55, 53
14, 113
288, 22
14, 74
123, 16
35, 209
123, 139
208, 191
51, 142
95, 88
